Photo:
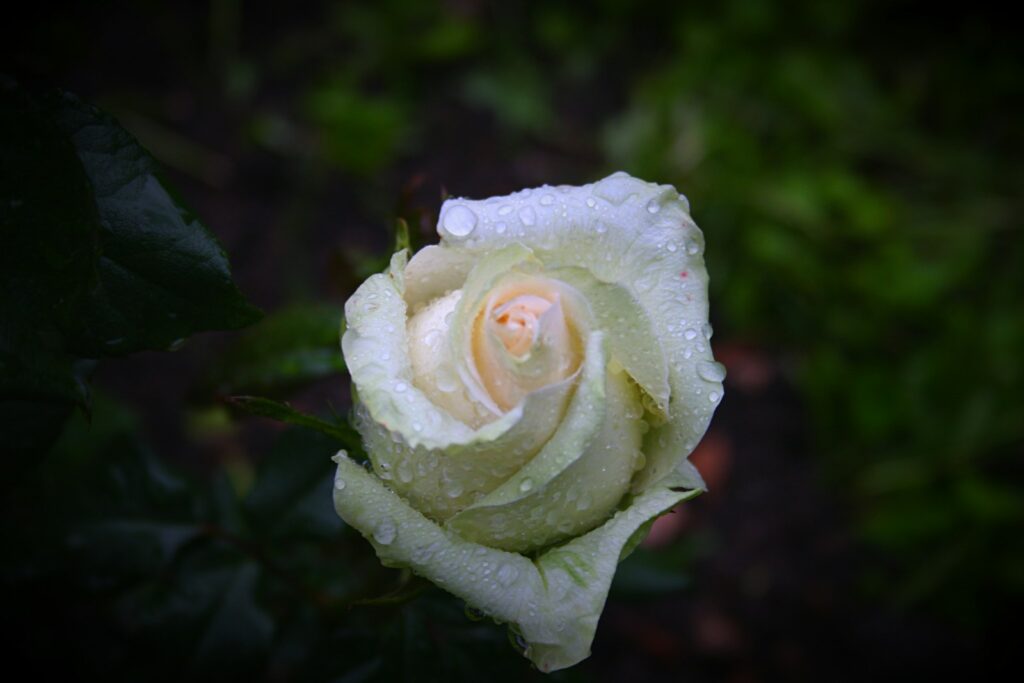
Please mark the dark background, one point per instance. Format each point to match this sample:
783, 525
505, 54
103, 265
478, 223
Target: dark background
856, 169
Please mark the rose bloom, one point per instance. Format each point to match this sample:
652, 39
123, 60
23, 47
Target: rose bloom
528, 392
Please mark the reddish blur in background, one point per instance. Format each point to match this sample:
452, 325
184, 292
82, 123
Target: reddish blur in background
856, 169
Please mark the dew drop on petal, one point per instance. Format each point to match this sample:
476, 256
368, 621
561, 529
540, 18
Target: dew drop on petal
453, 489
459, 221
507, 574
711, 371
445, 382
616, 188
640, 462
525, 485
385, 532
690, 333
528, 215
547, 200
433, 338
339, 484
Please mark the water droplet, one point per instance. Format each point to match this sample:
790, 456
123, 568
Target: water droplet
547, 200
600, 227
501, 227
505, 210
385, 532
692, 248
671, 246
640, 462
459, 221
714, 396
711, 371
584, 501
707, 330
591, 202
433, 338
518, 642
690, 333
528, 215
525, 485
400, 386
617, 187
445, 381
404, 472
507, 574
453, 489
653, 206
339, 484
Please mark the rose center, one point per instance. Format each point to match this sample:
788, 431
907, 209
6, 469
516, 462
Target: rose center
516, 322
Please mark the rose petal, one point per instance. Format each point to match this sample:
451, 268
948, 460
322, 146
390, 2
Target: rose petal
553, 602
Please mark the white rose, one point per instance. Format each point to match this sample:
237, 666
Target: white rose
528, 392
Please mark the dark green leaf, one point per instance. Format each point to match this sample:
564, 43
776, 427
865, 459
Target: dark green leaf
292, 494
160, 274
265, 407
238, 630
285, 349
651, 574
48, 223
99, 259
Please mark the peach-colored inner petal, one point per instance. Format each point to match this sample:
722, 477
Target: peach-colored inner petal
516, 322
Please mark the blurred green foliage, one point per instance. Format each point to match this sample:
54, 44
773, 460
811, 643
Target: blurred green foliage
856, 168
863, 214
857, 172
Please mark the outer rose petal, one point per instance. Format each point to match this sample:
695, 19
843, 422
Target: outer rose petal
554, 602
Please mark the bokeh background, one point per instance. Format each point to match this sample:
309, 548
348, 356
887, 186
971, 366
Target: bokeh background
856, 169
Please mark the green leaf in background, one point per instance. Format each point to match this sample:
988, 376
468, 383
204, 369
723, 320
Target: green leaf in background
286, 349
282, 412
160, 275
360, 133
48, 227
292, 482
99, 260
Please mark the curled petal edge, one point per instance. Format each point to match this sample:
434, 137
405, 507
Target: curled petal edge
553, 601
